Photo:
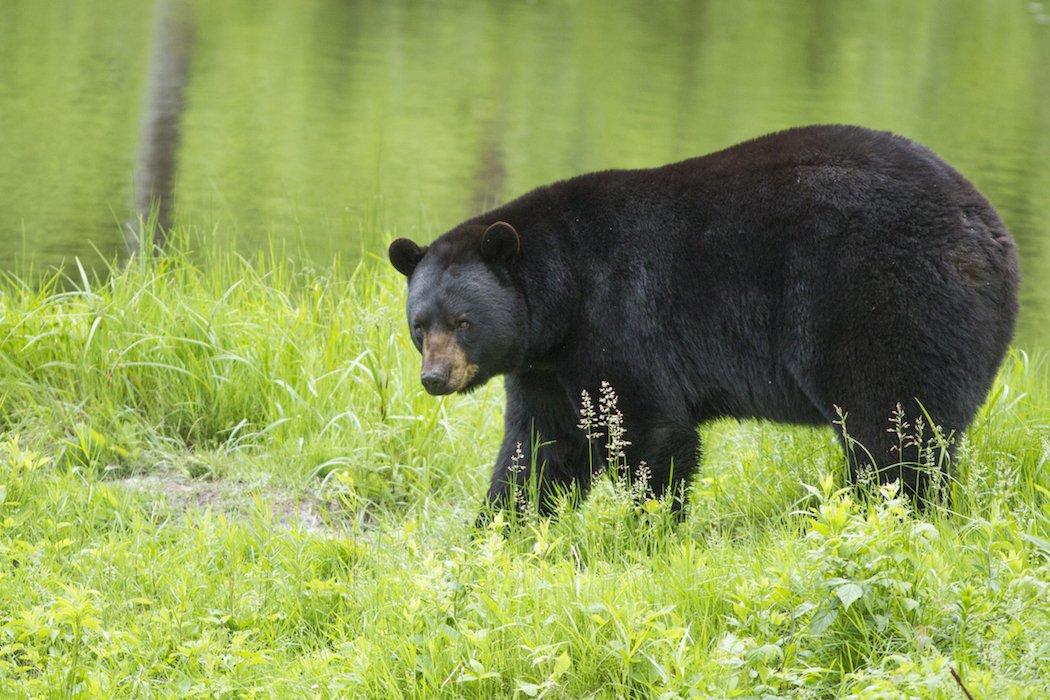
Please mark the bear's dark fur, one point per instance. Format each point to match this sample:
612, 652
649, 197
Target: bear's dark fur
816, 269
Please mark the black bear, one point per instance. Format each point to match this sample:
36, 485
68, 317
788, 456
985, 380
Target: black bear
791, 277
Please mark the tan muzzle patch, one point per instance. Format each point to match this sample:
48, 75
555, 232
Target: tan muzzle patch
442, 352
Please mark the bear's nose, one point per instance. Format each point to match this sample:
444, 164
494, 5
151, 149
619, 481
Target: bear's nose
435, 381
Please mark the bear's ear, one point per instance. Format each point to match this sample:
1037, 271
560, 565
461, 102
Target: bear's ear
500, 243
405, 255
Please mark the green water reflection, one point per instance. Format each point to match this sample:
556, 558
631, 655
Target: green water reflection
334, 124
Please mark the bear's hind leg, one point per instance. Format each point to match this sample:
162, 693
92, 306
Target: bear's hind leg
899, 447
887, 434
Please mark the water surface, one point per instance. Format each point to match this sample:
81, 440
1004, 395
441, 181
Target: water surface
332, 125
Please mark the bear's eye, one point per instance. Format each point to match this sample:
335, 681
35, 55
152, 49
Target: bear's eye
462, 324
417, 328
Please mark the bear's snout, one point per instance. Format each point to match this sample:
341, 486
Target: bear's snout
446, 368
435, 380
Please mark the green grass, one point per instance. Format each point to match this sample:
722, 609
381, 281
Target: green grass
270, 381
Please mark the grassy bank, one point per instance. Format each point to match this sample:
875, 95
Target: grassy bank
166, 429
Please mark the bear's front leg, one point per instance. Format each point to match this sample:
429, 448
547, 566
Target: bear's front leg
543, 454
670, 451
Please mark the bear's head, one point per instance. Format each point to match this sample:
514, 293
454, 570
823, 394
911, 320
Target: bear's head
466, 316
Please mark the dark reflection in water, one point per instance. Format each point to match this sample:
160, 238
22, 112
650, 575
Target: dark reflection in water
155, 166
334, 124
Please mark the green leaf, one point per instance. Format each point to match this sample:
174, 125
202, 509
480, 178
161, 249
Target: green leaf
823, 620
530, 689
848, 593
1039, 542
561, 664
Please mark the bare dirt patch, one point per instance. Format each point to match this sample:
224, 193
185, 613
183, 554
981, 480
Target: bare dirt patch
293, 511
